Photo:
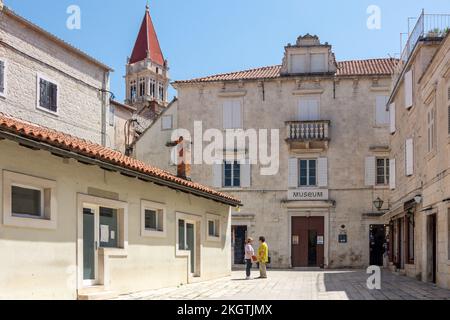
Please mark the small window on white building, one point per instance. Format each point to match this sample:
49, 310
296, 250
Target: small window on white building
167, 122
382, 170
318, 62
2, 78
431, 128
47, 95
382, 115
213, 226
29, 202
153, 219
307, 173
232, 114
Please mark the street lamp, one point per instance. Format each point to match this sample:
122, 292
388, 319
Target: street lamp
378, 203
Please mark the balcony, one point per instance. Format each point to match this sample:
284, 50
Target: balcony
308, 134
428, 27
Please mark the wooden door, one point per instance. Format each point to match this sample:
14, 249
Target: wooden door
308, 241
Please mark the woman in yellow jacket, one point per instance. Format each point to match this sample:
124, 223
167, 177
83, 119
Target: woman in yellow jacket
263, 257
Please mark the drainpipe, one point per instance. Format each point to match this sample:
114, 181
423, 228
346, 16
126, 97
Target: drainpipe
105, 106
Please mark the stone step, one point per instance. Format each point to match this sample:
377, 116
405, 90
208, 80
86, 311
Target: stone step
97, 295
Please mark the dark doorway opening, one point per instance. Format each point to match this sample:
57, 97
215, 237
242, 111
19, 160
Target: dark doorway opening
377, 238
432, 248
239, 235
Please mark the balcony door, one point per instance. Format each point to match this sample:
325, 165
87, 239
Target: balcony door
308, 109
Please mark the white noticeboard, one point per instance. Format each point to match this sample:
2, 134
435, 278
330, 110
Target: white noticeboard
104, 233
320, 240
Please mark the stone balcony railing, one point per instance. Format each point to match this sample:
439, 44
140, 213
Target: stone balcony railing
304, 131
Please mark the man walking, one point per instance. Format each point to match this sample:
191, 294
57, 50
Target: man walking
263, 257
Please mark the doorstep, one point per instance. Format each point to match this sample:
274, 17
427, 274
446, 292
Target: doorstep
96, 293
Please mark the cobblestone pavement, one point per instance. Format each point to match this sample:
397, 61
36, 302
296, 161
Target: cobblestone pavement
299, 285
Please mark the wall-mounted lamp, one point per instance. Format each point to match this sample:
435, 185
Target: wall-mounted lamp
418, 199
378, 203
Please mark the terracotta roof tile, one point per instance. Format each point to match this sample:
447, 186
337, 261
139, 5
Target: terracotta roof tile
345, 68
92, 150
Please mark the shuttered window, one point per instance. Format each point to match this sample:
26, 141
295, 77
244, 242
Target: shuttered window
382, 171
48, 95
308, 172
318, 62
409, 157
308, 109
382, 115
298, 63
431, 129
231, 174
370, 172
2, 78
232, 114
392, 118
392, 174
409, 89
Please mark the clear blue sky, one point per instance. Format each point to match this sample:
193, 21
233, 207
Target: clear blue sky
202, 37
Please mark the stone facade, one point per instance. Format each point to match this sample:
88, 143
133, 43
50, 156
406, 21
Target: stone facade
419, 208
29, 53
348, 102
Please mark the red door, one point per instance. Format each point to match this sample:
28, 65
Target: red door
308, 240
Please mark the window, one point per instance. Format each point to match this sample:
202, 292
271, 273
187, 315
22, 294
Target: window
231, 174
232, 114
166, 122
213, 225
111, 115
408, 89
382, 115
318, 63
409, 157
382, 171
2, 78
431, 129
109, 227
308, 109
153, 88
161, 91
153, 219
29, 202
47, 95
298, 63
307, 173
181, 234
133, 90
142, 91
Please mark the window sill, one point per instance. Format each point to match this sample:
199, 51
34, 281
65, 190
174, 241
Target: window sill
213, 239
56, 114
230, 189
153, 234
381, 187
28, 222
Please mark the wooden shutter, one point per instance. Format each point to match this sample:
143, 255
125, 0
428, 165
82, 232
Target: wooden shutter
160, 226
409, 148
237, 115
392, 118
392, 174
408, 89
43, 96
217, 175
293, 173
322, 166
308, 110
318, 62
245, 175
382, 116
2, 77
227, 115
303, 113
298, 63
370, 171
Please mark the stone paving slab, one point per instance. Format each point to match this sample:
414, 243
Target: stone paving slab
300, 285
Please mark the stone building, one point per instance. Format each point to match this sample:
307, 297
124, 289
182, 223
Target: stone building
79, 220
318, 210
419, 211
45, 79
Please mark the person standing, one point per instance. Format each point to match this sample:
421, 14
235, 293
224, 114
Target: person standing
249, 254
263, 257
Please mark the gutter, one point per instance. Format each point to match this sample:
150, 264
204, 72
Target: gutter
114, 168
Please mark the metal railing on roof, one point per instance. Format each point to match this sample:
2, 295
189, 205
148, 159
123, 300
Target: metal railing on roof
428, 26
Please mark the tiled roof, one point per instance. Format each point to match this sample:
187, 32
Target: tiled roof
88, 149
345, 68
147, 42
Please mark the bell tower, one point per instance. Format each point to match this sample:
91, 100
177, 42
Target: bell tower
147, 72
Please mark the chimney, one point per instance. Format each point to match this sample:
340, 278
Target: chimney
183, 158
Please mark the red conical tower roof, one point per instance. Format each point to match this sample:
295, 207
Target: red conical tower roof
147, 41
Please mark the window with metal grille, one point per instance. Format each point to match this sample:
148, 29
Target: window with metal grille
48, 95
